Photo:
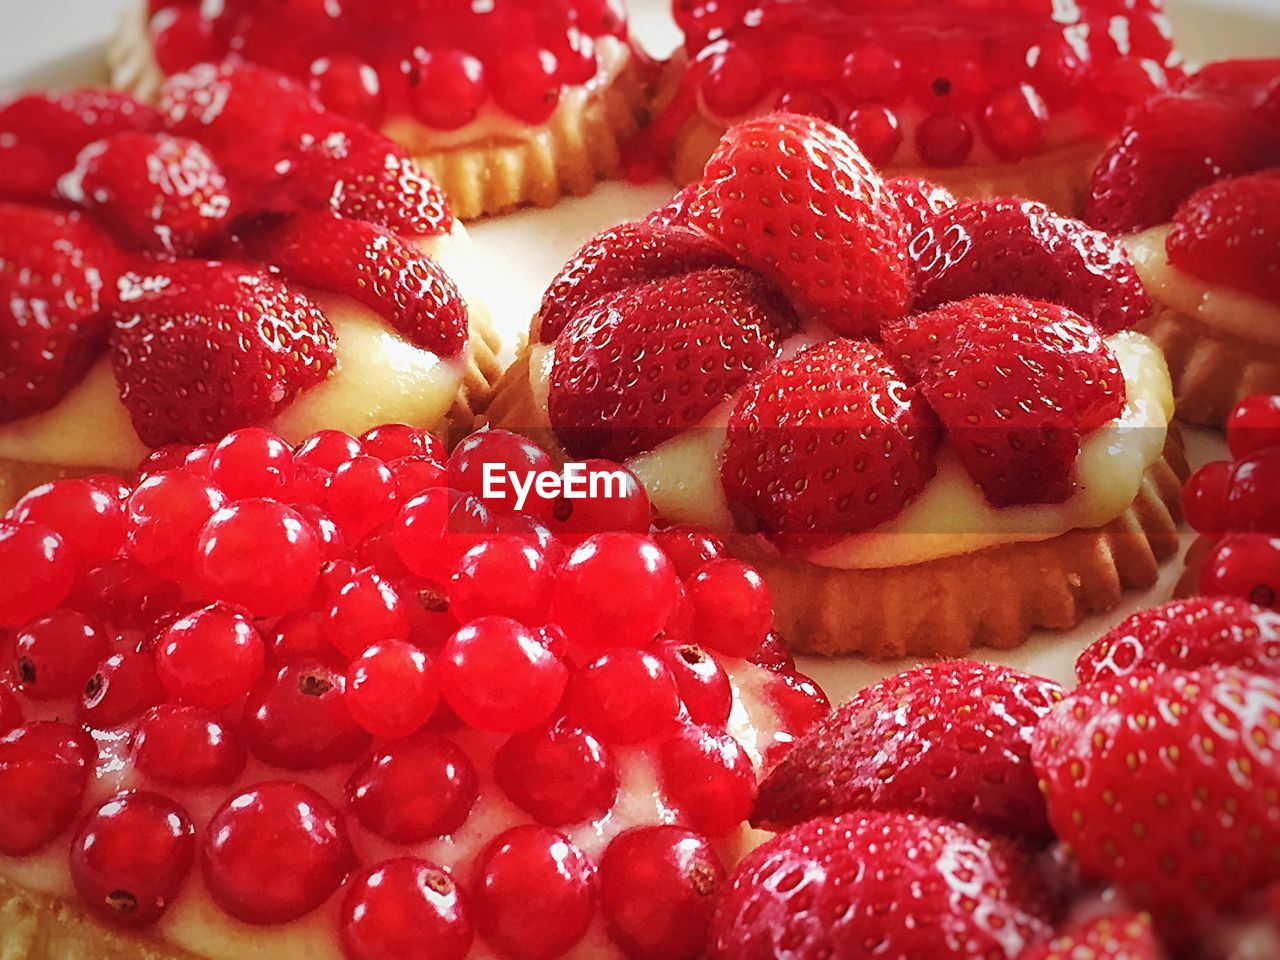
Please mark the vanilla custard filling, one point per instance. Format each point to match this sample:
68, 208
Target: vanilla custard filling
195, 923
1228, 310
380, 377
951, 517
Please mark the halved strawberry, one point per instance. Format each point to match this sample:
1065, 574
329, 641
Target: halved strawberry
1023, 248
1125, 937
951, 740
881, 884
675, 212
1186, 635
1229, 232
620, 257
156, 192
920, 201
637, 367
373, 266
794, 198
1244, 81
203, 348
1173, 146
829, 443
1165, 784
41, 133
1016, 383
57, 280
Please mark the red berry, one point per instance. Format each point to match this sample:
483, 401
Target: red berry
392, 689
1204, 498
415, 475
497, 675
10, 710
704, 686
130, 856
361, 495
1253, 496
773, 655
395, 441
166, 513
560, 775
366, 608
732, 607
210, 658
708, 778
447, 88
349, 86
251, 463
625, 696
522, 81
658, 891
1254, 424
187, 747
876, 130
688, 547
414, 790
435, 529
1244, 565
242, 540
296, 636
872, 72
627, 510
797, 701
734, 82
504, 459
274, 853
89, 518
502, 576
297, 719
535, 893
123, 686
56, 655
944, 140
404, 908
45, 769
1014, 122
36, 571
327, 450
125, 594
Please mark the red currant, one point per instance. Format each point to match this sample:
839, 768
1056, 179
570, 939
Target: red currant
414, 475
361, 495
511, 459
688, 548
166, 512
626, 509
447, 89
708, 777
732, 607
704, 686
1254, 424
89, 519
404, 908
243, 540
626, 696
251, 463
210, 658
296, 636
1244, 565
734, 82
414, 790
797, 700
1204, 498
327, 450
125, 595
435, 529
876, 130
187, 747
396, 441
559, 775
497, 675
944, 140
45, 769
55, 655
523, 82
1015, 122
123, 686
298, 719
10, 710
872, 73
349, 86
1253, 496
503, 576
392, 689
36, 571
366, 608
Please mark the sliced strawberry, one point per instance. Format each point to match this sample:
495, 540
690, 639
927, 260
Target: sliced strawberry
951, 740
620, 257
1229, 232
156, 192
1016, 383
881, 884
1186, 635
1020, 247
920, 201
1247, 82
57, 279
675, 212
203, 348
1125, 937
794, 198
373, 266
41, 133
1165, 784
637, 367
827, 444
1173, 146
364, 176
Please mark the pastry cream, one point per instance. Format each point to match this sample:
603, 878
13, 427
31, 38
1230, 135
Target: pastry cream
951, 517
1220, 307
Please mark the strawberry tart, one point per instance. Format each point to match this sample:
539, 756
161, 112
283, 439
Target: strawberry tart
990, 98
236, 256
441, 728
1193, 185
507, 104
888, 402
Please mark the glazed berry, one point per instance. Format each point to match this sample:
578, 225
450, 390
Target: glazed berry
535, 893
1204, 498
327, 450
1253, 497
10, 710
689, 547
497, 675
616, 589
944, 140
732, 607
414, 475
560, 775
166, 513
125, 594
119, 690
1244, 565
251, 463
36, 571
395, 441
658, 891
366, 608
1015, 122
210, 658
404, 908
413, 790
799, 702
502, 576
524, 84
773, 655
274, 853
1254, 423
708, 777
242, 540
187, 747
130, 856
505, 459
703, 683
89, 518
349, 86
622, 507
733, 83
447, 88
56, 655
45, 769
434, 530
876, 130
297, 718
361, 495
625, 696
392, 689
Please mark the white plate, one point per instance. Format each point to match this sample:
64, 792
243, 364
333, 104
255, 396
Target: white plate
527, 248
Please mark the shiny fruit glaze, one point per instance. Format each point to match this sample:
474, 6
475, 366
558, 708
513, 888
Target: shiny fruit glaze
431, 758
946, 82
440, 64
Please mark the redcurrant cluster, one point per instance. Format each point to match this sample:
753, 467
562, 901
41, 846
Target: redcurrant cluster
1235, 506
360, 654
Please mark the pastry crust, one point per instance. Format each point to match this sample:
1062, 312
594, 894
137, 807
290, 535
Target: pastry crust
1212, 370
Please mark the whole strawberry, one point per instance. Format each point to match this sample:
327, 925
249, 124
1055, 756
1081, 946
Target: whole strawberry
794, 198
951, 740
1165, 784
920, 201
1125, 937
887, 885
